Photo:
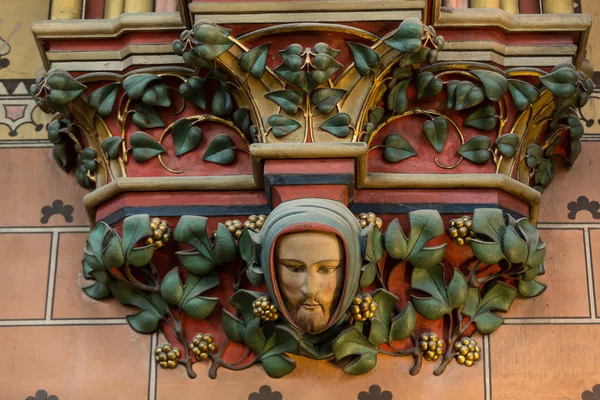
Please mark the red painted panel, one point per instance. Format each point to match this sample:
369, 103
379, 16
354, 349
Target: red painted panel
279, 194
94, 9
310, 166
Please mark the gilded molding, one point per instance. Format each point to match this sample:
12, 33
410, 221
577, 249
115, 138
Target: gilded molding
66, 9
113, 8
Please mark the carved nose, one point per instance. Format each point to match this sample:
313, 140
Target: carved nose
310, 288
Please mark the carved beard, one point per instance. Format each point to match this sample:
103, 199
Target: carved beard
310, 321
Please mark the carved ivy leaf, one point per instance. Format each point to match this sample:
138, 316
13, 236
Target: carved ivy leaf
294, 48
153, 307
242, 301
338, 125
103, 99
324, 48
194, 91
241, 119
407, 38
535, 155
103, 248
531, 288
428, 85
476, 149
157, 94
146, 117
255, 60
289, 100
327, 99
574, 151
396, 99
424, 226
282, 125
415, 58
489, 225
386, 302
135, 85
63, 88
368, 273
397, 149
575, 127
495, 84
507, 145
544, 174
468, 95
212, 41
523, 93
144, 146
436, 131
224, 248
365, 58
196, 306
136, 228
376, 115
220, 150
291, 69
195, 262
191, 230
443, 299
451, 93
222, 102
326, 66
561, 81
351, 343
233, 326
112, 147
185, 136
483, 118
403, 324
498, 297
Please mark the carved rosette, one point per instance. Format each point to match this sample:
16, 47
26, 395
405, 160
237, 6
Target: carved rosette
375, 121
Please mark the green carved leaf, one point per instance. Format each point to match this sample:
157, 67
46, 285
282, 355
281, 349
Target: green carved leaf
531, 288
575, 128
145, 322
294, 48
483, 118
135, 85
254, 337
403, 324
282, 125
61, 156
365, 58
146, 117
185, 136
498, 297
141, 256
242, 301
476, 149
63, 88
171, 288
574, 150
535, 156
397, 149
428, 85
103, 248
376, 115
241, 119
157, 94
407, 38
468, 95
396, 99
97, 291
544, 174
424, 226
234, 327
324, 48
289, 100
436, 131
112, 146
195, 262
278, 365
255, 60
451, 93
326, 66
361, 364
194, 91
374, 243
222, 102
523, 94
103, 99
220, 150
415, 58
352, 343
291, 69
191, 230
386, 302
135, 228
489, 222
561, 82
212, 41
443, 299
507, 145
495, 84
144, 146
224, 248
367, 275
196, 306
338, 125
327, 99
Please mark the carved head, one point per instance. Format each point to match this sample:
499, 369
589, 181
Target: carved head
311, 261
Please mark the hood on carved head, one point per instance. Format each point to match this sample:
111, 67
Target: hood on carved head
313, 215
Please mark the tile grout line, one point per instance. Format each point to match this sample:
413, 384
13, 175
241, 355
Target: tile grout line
54, 229
55, 322
487, 363
551, 321
589, 272
152, 380
568, 225
51, 276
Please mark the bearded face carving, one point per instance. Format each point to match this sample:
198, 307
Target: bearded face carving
310, 268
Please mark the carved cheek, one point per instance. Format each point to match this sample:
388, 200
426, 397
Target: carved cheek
290, 283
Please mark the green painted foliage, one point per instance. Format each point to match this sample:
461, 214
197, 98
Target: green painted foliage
428, 85
523, 93
289, 100
282, 125
397, 149
186, 137
254, 60
220, 150
497, 297
484, 118
145, 147
494, 83
338, 125
442, 298
365, 58
476, 150
436, 131
103, 100
327, 99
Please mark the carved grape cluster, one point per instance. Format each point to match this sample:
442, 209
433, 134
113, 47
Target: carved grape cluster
255, 222
467, 352
363, 307
461, 230
203, 345
161, 233
365, 219
432, 346
263, 308
166, 356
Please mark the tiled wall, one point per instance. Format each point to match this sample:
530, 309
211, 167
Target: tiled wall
58, 342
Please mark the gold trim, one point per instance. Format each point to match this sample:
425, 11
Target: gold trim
66, 9
485, 3
308, 26
510, 6
310, 7
113, 8
557, 6
137, 6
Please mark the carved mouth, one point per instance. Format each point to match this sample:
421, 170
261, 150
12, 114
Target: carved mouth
311, 306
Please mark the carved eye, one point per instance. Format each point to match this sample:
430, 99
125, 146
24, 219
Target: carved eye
327, 270
294, 269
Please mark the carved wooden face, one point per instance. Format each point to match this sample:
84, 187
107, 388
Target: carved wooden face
310, 274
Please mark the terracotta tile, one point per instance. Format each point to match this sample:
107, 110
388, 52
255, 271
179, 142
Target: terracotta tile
595, 254
544, 362
570, 184
591, 113
75, 362
69, 299
36, 181
322, 380
24, 283
567, 293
